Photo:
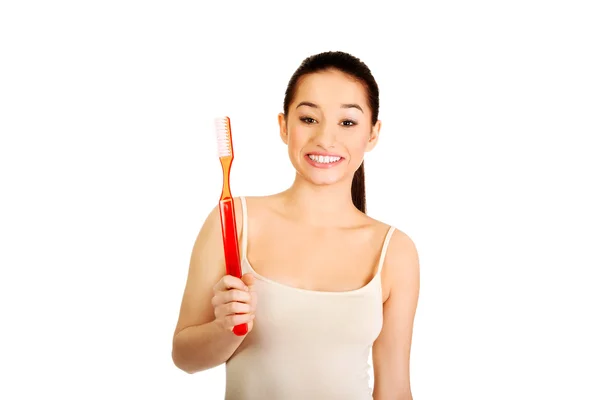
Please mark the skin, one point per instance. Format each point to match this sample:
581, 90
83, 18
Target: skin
317, 211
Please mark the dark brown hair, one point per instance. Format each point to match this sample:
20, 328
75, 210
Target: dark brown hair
354, 67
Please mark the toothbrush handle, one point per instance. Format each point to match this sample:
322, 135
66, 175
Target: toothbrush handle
231, 249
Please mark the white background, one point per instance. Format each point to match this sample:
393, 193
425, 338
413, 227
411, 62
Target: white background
488, 159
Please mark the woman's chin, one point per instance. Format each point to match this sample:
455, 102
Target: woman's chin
322, 177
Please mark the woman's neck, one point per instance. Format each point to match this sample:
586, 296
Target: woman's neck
319, 205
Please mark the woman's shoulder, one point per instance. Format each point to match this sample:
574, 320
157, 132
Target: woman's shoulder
253, 208
384, 226
257, 203
400, 244
401, 260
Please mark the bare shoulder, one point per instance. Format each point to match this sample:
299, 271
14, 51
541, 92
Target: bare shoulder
401, 263
212, 224
400, 242
261, 206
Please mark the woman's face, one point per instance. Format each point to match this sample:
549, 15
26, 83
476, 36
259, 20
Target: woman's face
328, 129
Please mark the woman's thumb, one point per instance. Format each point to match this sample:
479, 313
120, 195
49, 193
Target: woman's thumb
248, 279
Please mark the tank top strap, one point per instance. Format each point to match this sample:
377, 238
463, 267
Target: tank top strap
244, 232
386, 242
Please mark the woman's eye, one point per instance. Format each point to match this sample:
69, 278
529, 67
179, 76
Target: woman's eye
308, 120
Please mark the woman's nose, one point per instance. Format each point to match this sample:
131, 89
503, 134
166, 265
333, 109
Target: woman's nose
325, 136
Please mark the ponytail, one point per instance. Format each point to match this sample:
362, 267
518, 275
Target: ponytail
359, 197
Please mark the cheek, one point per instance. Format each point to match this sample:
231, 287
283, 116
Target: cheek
358, 142
297, 137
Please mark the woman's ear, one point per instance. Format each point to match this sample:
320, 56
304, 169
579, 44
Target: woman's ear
374, 136
282, 128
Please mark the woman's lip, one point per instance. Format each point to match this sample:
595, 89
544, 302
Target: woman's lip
323, 165
320, 153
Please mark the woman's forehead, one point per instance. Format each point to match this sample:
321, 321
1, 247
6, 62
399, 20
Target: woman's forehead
329, 88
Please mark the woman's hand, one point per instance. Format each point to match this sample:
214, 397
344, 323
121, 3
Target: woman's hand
234, 301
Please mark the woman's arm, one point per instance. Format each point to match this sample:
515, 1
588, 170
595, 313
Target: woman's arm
391, 350
198, 343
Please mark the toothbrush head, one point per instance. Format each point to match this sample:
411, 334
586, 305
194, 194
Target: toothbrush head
224, 143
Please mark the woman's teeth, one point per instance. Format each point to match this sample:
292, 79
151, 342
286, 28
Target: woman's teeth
324, 159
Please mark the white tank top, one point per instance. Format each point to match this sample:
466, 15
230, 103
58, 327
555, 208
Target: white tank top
309, 345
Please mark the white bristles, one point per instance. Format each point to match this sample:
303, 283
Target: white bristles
223, 136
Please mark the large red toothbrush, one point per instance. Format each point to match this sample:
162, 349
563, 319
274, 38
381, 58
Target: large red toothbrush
226, 208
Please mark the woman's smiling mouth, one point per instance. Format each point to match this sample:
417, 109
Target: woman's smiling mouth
321, 160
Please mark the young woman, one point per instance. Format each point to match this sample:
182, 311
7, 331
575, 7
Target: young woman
323, 284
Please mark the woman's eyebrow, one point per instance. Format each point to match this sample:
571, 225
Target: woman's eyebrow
353, 106
313, 105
